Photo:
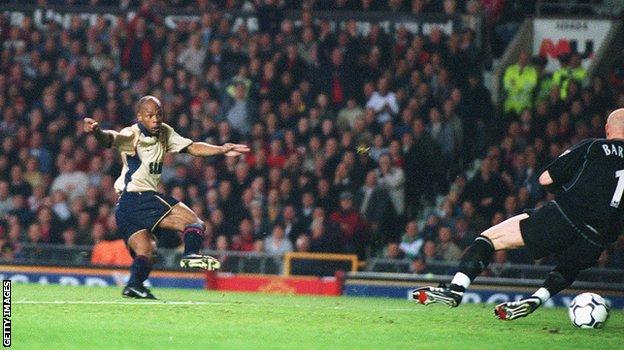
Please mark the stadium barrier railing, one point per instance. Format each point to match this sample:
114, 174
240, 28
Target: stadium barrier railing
320, 259
275, 264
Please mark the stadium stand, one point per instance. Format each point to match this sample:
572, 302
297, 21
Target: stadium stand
386, 145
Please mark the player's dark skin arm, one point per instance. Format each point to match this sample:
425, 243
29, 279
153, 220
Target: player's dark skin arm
104, 138
202, 149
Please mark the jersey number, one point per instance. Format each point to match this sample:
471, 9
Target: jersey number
155, 167
619, 190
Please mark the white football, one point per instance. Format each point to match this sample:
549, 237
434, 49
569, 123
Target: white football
588, 310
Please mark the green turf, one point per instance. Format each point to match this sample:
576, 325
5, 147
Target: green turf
265, 321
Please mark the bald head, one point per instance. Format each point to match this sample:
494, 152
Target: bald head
615, 124
148, 100
150, 113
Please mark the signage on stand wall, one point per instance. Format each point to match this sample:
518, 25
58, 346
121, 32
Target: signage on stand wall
554, 37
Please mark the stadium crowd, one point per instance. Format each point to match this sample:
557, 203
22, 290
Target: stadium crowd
354, 136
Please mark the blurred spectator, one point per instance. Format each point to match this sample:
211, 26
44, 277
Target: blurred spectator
277, 243
244, 240
383, 102
419, 266
239, 109
486, 189
447, 250
571, 70
392, 251
392, 179
411, 243
6, 202
7, 252
70, 181
376, 207
519, 81
192, 58
353, 230
111, 253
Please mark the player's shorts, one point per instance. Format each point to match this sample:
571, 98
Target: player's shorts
548, 231
137, 211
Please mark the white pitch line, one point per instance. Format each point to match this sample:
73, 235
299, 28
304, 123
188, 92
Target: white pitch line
164, 302
120, 302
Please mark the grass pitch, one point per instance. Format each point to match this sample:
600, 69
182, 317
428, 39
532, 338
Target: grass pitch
54, 317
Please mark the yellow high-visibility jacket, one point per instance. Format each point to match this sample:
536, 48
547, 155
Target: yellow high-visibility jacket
519, 83
562, 77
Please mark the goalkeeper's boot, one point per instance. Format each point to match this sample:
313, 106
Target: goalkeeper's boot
137, 293
200, 262
441, 295
515, 309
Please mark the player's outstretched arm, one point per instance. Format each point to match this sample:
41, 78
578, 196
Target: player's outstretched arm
545, 179
104, 137
548, 183
202, 149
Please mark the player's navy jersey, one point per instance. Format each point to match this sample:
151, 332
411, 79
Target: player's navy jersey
591, 175
142, 154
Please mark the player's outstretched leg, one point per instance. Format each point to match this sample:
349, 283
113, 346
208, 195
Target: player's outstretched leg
474, 260
182, 218
142, 244
512, 310
560, 278
193, 239
505, 235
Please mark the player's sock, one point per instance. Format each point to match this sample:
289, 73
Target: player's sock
476, 258
460, 282
559, 279
543, 294
193, 238
139, 270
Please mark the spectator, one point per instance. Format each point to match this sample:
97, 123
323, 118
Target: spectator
392, 251
411, 243
419, 266
348, 115
422, 163
383, 102
138, 51
244, 240
6, 202
353, 230
277, 243
261, 227
239, 109
70, 181
290, 223
111, 253
392, 179
447, 250
323, 238
519, 81
377, 208
7, 252
192, 58
486, 189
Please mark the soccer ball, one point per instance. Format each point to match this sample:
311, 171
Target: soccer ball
588, 310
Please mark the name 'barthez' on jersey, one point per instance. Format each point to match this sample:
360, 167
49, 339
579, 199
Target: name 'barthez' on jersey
590, 177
